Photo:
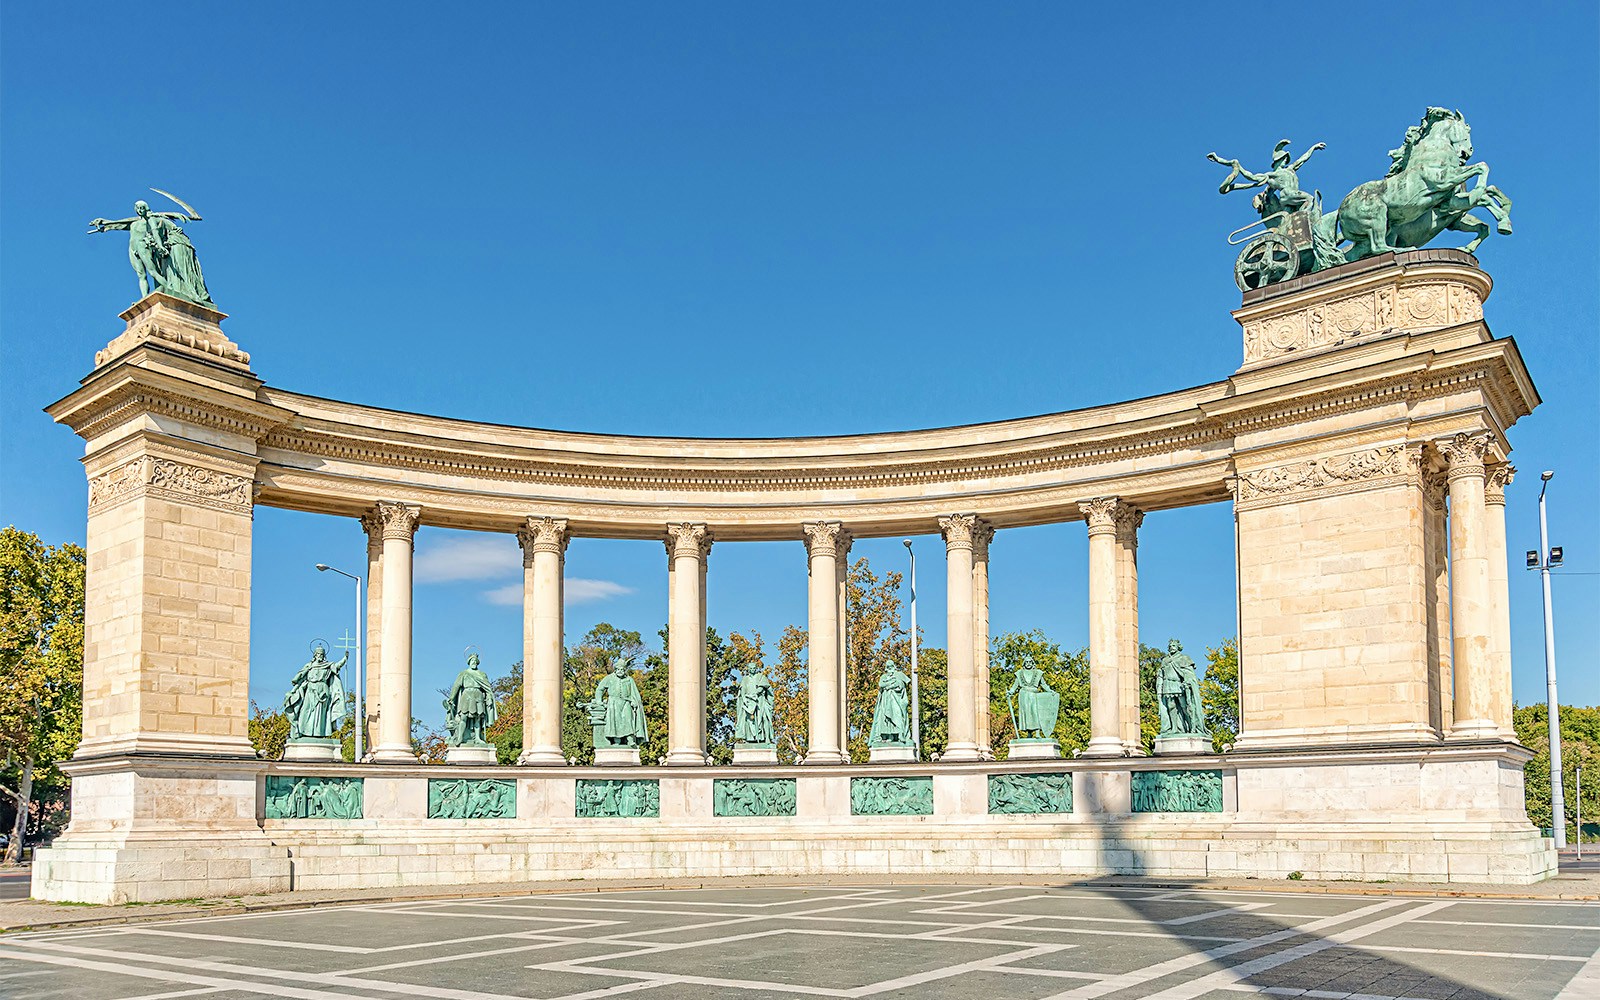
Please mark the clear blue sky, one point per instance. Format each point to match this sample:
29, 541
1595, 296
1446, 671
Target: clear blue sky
701, 219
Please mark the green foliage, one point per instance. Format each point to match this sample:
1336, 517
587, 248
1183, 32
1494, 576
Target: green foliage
1580, 747
1149, 716
1067, 673
1219, 692
724, 661
582, 668
873, 634
41, 676
506, 733
269, 731
933, 694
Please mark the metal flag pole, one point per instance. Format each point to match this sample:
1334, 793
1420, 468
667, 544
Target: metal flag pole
916, 698
361, 674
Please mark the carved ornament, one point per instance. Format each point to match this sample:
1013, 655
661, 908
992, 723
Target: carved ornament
1400, 305
1336, 474
543, 534
823, 538
172, 480
688, 540
1463, 454
958, 530
1101, 514
399, 519
1495, 483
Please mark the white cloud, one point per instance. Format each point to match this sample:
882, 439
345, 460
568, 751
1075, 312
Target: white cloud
509, 596
481, 558
578, 591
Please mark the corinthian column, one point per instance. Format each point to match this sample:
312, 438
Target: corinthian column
1127, 555
823, 540
982, 535
1471, 613
686, 644
372, 524
1497, 478
394, 726
544, 547
958, 531
1105, 733
1436, 601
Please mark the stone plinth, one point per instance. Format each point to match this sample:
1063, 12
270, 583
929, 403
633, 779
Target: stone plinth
891, 754
755, 753
176, 325
616, 756
1183, 744
1032, 749
469, 755
312, 748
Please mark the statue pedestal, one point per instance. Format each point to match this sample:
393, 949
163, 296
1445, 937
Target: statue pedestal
892, 755
470, 755
616, 756
313, 748
1183, 744
1033, 750
755, 753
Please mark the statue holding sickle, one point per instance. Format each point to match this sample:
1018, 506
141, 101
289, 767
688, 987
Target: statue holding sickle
160, 252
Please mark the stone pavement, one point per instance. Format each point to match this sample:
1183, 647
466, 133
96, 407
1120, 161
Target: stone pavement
1088, 940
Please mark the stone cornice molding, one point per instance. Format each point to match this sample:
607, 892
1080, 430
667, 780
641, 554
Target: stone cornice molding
1498, 478
399, 519
958, 531
543, 534
1101, 515
181, 482
688, 541
1464, 454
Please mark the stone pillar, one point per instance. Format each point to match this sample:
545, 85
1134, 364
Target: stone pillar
981, 537
823, 643
1471, 611
394, 729
1498, 477
372, 524
1128, 690
1105, 732
841, 565
1436, 602
544, 546
686, 645
958, 531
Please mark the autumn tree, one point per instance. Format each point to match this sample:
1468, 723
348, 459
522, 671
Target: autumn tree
41, 669
873, 634
791, 717
268, 729
1219, 692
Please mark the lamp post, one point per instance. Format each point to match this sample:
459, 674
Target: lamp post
916, 700
361, 711
1542, 561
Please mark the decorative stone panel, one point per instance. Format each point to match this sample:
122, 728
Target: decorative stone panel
746, 797
308, 797
891, 796
1177, 791
472, 798
1030, 793
1326, 476
171, 480
618, 798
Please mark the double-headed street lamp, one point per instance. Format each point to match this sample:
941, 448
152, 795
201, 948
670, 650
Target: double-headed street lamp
361, 712
1542, 561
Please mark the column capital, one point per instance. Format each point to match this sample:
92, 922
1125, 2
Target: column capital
1101, 513
982, 535
826, 538
372, 524
1498, 477
399, 519
688, 540
1433, 487
1464, 453
543, 534
1127, 518
958, 530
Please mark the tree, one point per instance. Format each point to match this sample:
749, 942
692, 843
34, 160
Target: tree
269, 731
582, 668
1580, 747
873, 634
41, 668
1219, 692
1067, 673
506, 733
791, 717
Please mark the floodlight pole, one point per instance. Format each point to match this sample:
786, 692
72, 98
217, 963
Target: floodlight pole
361, 711
916, 700
1558, 804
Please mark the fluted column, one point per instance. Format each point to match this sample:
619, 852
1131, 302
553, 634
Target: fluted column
686, 644
1436, 601
982, 535
823, 643
958, 531
544, 546
1128, 692
394, 726
1471, 615
1496, 479
841, 567
1105, 733
372, 524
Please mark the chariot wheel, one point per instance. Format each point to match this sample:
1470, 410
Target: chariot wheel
1264, 260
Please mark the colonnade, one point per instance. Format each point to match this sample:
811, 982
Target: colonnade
1465, 604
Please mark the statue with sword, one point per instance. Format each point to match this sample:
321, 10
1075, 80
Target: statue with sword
160, 252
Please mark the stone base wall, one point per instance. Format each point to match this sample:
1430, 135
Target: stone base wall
1439, 813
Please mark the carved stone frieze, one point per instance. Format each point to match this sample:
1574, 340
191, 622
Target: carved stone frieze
1326, 476
173, 480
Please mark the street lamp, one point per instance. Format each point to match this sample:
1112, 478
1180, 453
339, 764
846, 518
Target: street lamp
916, 698
1542, 561
361, 711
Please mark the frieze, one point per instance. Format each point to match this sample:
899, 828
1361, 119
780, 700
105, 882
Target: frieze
891, 796
1398, 306
306, 797
1177, 791
472, 798
174, 480
753, 797
1029, 794
617, 798
1374, 466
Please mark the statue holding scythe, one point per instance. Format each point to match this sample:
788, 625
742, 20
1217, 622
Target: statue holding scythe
160, 252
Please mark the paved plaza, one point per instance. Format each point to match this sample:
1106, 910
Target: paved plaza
973, 943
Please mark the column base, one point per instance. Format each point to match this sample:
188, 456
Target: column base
891, 755
1104, 746
1475, 729
470, 755
825, 757
542, 757
394, 755
686, 758
960, 752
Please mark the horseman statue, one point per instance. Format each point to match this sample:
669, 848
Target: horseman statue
1424, 194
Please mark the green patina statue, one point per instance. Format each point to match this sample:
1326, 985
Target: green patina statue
315, 702
1178, 695
160, 252
1034, 705
617, 711
469, 708
754, 708
1423, 194
891, 719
